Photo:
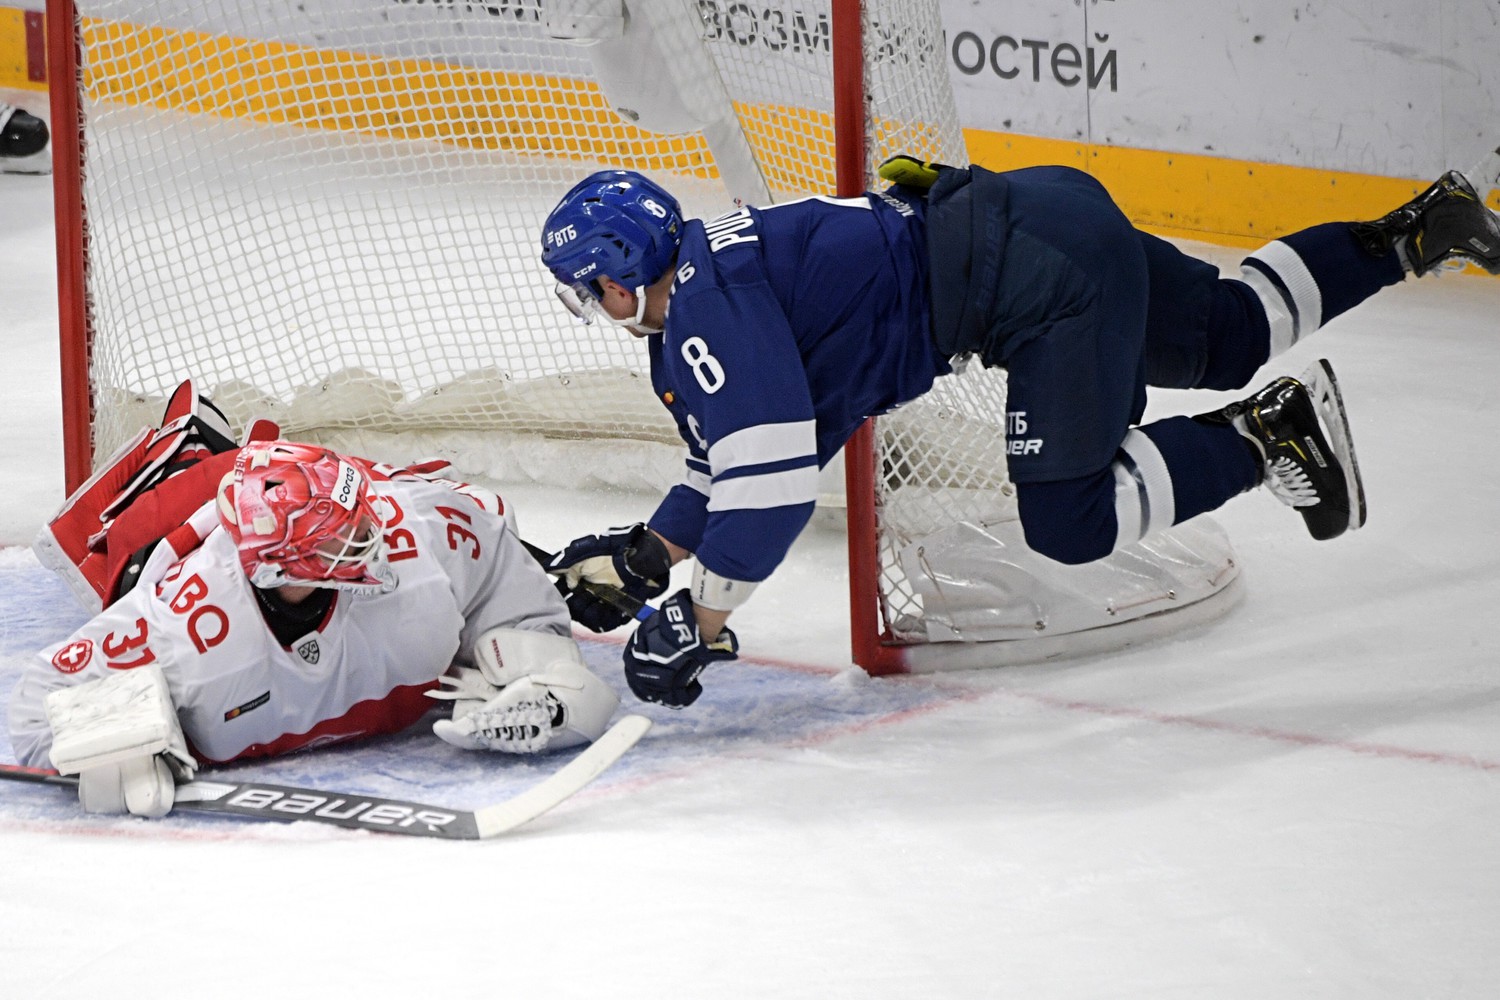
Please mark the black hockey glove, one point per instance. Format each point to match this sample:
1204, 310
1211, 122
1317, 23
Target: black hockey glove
665, 656
630, 559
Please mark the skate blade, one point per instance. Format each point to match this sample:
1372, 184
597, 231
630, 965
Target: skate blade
1323, 386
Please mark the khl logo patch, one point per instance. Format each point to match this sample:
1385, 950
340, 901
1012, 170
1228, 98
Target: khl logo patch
309, 650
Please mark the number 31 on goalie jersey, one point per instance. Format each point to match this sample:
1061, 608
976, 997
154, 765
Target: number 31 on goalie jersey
401, 543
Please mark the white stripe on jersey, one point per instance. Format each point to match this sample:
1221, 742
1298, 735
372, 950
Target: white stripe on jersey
763, 444
771, 489
693, 479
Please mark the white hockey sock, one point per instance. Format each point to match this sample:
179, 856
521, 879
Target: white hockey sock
1288, 292
1144, 502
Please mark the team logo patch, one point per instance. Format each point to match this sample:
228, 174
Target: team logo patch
74, 656
309, 651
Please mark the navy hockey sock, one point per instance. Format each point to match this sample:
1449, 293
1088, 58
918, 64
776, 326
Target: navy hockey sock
1175, 469
1163, 474
1207, 466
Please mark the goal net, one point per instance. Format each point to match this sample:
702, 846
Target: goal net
328, 212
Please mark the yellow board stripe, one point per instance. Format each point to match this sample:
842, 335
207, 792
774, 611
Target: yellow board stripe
22, 60
1175, 194
278, 83
1184, 195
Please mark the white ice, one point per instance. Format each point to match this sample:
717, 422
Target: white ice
1300, 800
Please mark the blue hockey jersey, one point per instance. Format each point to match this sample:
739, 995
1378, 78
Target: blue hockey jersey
787, 326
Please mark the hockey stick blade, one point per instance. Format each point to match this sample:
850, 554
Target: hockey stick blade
285, 804
491, 821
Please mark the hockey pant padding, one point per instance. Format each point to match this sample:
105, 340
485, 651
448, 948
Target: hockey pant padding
1202, 331
1163, 474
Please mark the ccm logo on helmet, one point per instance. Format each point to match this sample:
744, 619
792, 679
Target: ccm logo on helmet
347, 487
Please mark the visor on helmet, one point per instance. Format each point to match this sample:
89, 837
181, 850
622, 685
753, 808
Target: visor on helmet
580, 300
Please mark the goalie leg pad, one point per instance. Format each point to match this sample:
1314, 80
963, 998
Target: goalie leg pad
121, 736
71, 544
76, 543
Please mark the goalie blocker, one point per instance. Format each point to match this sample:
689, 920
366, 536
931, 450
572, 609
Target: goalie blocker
121, 736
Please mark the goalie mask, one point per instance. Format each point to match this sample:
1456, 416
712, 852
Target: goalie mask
304, 516
613, 224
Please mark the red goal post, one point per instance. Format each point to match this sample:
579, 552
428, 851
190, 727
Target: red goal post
327, 213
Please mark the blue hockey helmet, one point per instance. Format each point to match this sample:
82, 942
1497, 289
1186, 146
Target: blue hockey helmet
614, 224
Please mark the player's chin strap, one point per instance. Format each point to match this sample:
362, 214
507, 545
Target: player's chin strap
636, 323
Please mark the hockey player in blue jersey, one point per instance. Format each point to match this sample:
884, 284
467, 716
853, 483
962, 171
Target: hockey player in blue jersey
774, 332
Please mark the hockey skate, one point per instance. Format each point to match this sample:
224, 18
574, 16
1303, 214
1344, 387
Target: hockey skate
1449, 220
1302, 433
23, 142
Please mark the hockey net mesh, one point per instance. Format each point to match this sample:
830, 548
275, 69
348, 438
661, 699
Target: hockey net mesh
328, 214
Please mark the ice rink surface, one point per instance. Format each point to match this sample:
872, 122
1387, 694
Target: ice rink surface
1300, 800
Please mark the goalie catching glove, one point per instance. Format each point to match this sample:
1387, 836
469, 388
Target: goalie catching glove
530, 691
121, 736
665, 656
631, 559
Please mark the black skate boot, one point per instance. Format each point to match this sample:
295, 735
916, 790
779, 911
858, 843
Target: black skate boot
1447, 220
23, 142
1301, 431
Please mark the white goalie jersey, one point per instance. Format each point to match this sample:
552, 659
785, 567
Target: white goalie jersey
363, 669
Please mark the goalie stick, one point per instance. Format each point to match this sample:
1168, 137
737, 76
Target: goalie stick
255, 800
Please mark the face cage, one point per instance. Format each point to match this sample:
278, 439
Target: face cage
584, 304
352, 561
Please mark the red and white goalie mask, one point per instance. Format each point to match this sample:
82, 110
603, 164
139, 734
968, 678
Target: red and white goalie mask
303, 516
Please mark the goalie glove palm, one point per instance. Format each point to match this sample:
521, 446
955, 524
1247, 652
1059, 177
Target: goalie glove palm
665, 656
631, 559
529, 691
517, 719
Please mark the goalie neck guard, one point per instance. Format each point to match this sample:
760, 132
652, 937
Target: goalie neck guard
613, 224
301, 515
